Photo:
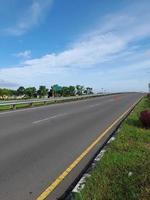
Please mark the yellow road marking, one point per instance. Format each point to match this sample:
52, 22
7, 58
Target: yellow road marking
58, 180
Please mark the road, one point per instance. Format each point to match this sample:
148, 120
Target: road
38, 144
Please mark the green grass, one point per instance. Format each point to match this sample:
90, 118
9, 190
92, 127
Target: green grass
4, 108
128, 154
19, 106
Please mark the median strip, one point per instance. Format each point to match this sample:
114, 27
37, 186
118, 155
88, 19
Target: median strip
5, 106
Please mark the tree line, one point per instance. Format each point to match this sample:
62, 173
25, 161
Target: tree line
43, 91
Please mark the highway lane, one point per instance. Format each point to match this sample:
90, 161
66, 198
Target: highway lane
38, 144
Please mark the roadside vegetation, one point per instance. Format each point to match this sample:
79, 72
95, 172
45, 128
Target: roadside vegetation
55, 91
124, 171
42, 103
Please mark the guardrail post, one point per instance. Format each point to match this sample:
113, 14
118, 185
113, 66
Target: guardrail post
31, 104
13, 106
44, 102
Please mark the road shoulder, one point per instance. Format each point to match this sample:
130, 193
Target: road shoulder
124, 171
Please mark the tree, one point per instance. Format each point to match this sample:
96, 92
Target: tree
57, 90
79, 89
88, 91
1, 92
13, 92
21, 91
65, 91
43, 91
50, 93
72, 90
31, 92
4, 93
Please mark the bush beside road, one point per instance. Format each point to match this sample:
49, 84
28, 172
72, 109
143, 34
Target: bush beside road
124, 171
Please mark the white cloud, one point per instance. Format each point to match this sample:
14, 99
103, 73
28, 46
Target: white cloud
24, 54
7, 84
31, 17
112, 44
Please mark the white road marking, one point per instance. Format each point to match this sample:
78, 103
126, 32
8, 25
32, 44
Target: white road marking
97, 104
63, 114
49, 118
91, 106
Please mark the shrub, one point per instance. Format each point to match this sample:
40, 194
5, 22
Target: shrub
145, 118
148, 95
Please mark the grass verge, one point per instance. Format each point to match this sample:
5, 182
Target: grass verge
124, 171
20, 106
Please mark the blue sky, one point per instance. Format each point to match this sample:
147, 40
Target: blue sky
97, 43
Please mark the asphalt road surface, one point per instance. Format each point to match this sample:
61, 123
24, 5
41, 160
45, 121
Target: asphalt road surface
38, 144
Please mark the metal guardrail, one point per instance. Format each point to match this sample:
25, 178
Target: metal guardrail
14, 103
